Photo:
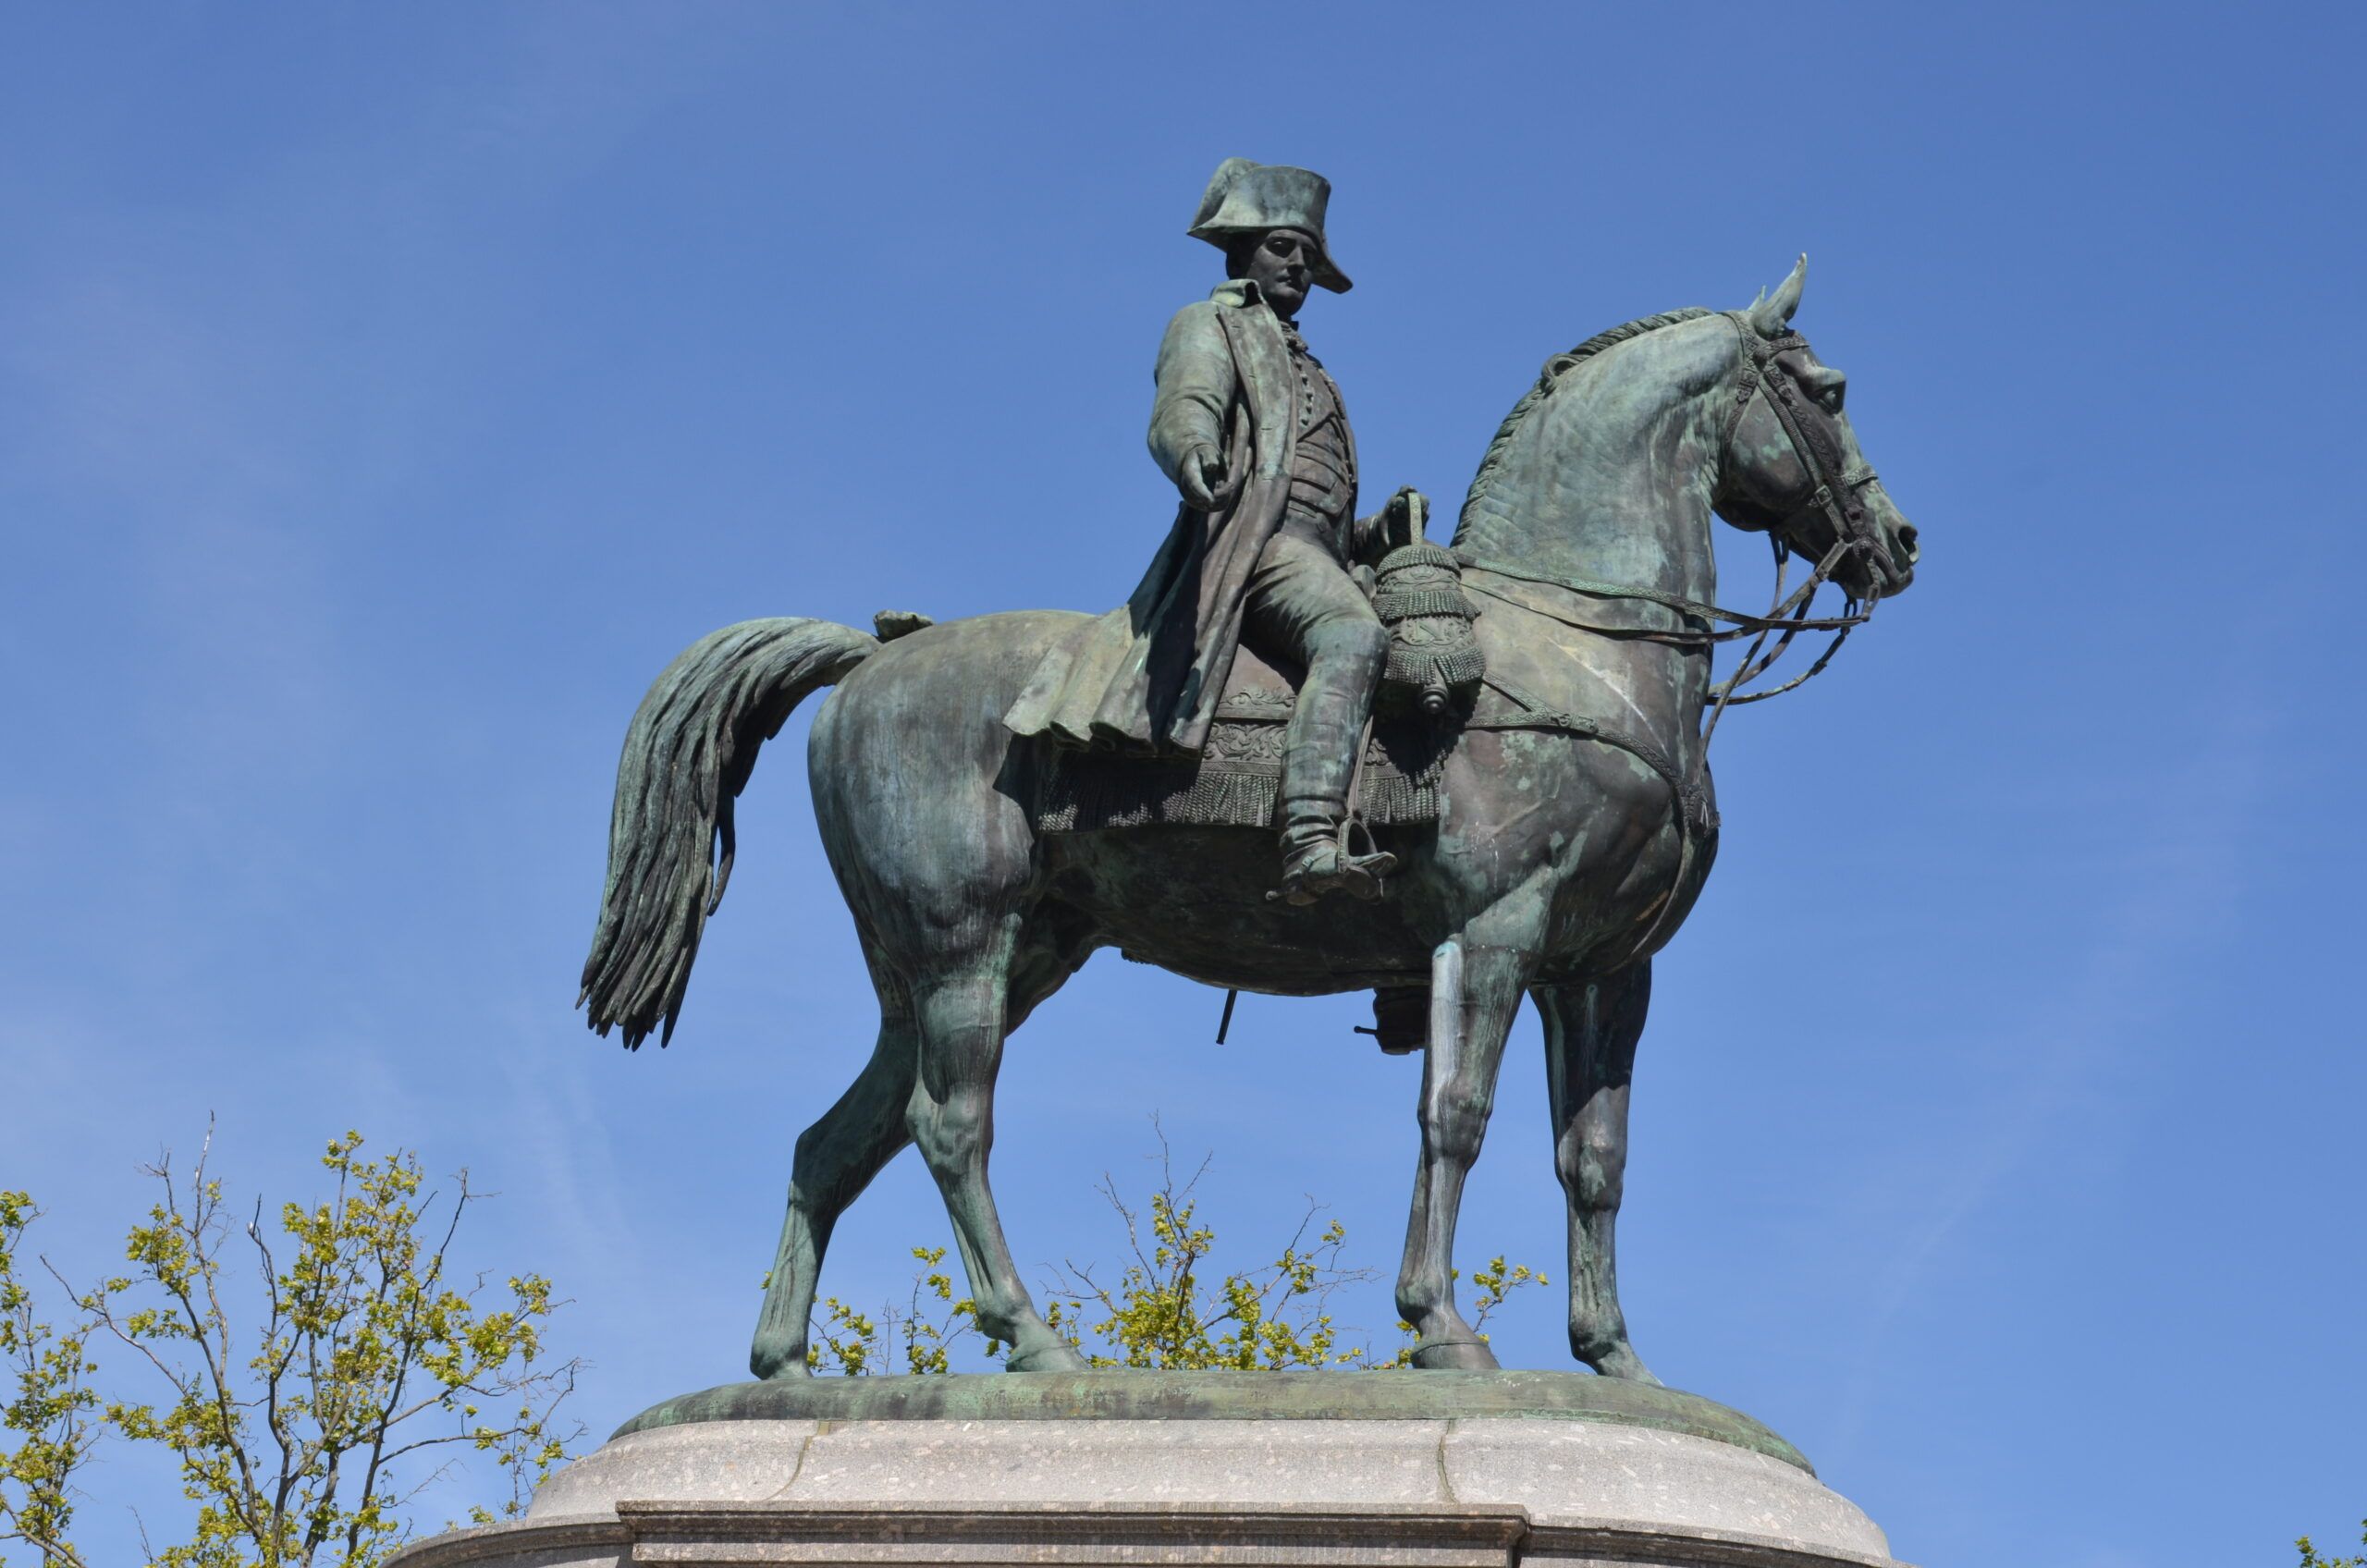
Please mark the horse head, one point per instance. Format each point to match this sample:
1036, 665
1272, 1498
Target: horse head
1791, 466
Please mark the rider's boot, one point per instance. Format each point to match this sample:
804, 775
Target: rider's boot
1319, 759
1313, 861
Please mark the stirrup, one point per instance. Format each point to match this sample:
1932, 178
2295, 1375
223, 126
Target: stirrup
1324, 867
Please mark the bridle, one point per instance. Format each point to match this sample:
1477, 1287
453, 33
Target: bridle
1838, 495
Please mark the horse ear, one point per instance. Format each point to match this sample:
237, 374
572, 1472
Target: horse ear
1769, 314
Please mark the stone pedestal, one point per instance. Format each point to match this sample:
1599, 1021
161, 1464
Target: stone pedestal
1429, 1470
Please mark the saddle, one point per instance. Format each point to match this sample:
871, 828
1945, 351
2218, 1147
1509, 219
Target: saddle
1433, 671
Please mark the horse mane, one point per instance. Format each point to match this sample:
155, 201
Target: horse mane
1483, 481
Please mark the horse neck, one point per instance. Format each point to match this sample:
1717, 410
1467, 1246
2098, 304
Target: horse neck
1611, 478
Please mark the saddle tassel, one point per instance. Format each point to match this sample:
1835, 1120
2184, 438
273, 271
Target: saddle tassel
1417, 592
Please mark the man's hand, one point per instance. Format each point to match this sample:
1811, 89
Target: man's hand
1201, 478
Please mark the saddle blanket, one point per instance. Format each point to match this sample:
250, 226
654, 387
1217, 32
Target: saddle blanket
1236, 781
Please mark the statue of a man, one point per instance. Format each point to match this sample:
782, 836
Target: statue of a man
1254, 435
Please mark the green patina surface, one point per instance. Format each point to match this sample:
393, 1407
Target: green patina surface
1568, 848
1216, 1396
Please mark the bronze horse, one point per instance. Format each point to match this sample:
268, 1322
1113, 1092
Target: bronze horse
1575, 828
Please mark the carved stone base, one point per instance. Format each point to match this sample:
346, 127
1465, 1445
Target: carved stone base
1457, 1492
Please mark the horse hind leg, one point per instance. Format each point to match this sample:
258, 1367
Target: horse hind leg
1591, 1029
837, 1157
963, 1017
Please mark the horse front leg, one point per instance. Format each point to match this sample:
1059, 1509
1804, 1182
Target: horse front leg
1590, 1033
1471, 1013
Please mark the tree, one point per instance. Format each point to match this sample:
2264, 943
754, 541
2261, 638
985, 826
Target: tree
1163, 1311
53, 1414
302, 1438
2310, 1558
1166, 1308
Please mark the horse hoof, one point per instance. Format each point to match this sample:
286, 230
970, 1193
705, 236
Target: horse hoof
772, 1362
1058, 1356
1454, 1355
1621, 1361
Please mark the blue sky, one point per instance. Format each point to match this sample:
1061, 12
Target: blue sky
386, 395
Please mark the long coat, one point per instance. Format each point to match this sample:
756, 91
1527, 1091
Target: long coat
1146, 678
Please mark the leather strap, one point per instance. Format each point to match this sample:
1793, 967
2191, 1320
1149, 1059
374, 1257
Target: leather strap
1688, 802
1687, 799
1745, 625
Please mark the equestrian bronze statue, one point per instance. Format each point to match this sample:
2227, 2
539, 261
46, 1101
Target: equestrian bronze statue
1506, 743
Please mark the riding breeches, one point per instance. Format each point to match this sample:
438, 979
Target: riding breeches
1303, 605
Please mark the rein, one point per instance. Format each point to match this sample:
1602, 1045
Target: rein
1835, 496
1742, 625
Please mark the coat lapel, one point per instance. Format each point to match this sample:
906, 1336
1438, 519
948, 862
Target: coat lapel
1148, 677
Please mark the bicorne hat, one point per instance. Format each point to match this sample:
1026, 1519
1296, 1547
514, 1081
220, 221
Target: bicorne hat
1246, 197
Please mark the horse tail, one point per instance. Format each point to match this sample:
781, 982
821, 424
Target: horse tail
687, 756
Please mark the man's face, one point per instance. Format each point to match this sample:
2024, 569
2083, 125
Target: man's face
1281, 263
